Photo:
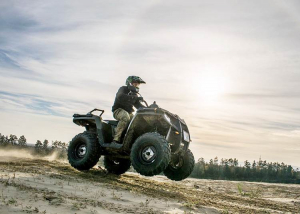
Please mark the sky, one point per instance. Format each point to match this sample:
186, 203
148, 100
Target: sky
230, 69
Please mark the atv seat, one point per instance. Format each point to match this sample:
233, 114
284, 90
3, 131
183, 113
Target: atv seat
112, 122
82, 115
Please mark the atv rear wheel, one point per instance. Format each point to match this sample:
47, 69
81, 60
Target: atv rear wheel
116, 166
150, 154
84, 151
182, 168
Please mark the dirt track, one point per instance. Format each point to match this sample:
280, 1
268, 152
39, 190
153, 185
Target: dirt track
41, 186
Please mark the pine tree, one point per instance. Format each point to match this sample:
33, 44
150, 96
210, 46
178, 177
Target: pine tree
38, 146
5, 141
235, 162
22, 141
247, 166
216, 161
55, 144
45, 144
2, 137
227, 173
13, 140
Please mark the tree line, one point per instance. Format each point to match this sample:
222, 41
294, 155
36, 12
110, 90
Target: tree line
40, 148
12, 140
260, 171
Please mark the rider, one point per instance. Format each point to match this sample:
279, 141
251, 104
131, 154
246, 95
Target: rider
126, 98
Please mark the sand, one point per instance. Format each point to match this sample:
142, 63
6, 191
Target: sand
31, 185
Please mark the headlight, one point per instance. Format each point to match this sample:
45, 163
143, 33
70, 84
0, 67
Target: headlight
186, 136
168, 118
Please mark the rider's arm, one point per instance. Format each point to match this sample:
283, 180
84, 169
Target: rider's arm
138, 105
123, 97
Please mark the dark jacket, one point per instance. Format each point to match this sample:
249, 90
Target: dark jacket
125, 101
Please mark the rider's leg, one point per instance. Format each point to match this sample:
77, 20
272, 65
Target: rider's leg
124, 119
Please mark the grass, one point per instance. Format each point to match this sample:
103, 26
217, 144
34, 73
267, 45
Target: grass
252, 193
12, 201
146, 203
115, 196
189, 205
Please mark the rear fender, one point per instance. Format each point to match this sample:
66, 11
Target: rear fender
91, 122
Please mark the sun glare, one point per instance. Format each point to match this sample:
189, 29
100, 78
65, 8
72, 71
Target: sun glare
210, 87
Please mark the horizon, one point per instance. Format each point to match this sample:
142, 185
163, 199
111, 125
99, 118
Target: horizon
230, 70
241, 163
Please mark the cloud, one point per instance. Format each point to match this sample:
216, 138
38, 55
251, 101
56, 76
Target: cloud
27, 103
14, 19
264, 95
58, 58
6, 61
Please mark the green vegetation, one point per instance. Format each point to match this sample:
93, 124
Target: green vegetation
260, 171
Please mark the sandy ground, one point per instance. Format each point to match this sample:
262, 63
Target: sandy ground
29, 185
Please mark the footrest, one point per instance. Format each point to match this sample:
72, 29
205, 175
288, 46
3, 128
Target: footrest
112, 145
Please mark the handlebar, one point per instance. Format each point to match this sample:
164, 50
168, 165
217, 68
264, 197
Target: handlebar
145, 103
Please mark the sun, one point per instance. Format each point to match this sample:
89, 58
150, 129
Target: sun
209, 87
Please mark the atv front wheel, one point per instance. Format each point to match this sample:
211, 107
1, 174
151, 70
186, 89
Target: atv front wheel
150, 154
116, 166
84, 151
182, 168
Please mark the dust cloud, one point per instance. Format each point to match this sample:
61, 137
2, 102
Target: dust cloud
14, 154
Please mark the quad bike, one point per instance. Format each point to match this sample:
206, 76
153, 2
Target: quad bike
155, 141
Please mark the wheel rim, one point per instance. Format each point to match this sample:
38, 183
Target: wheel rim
80, 151
116, 162
178, 164
148, 154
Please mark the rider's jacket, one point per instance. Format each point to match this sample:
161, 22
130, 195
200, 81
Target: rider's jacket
126, 101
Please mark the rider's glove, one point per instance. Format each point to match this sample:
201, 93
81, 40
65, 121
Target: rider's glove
140, 99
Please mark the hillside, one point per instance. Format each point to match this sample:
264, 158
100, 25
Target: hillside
30, 185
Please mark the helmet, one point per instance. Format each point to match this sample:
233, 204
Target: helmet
132, 79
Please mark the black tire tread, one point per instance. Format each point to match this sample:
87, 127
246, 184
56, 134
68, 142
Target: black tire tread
165, 150
184, 171
94, 156
111, 167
